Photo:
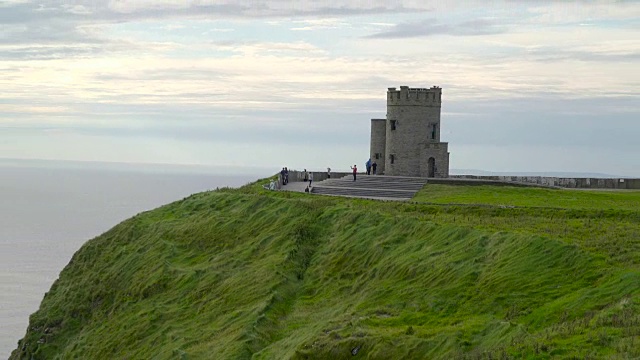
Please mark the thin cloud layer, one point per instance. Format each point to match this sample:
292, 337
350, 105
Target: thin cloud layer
310, 74
431, 27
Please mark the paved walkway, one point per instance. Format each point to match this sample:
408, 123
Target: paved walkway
295, 186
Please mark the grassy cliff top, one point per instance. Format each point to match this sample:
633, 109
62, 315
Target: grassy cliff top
531, 197
248, 273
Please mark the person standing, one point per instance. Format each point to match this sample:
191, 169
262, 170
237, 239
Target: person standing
306, 175
374, 166
286, 176
355, 171
328, 173
368, 167
310, 179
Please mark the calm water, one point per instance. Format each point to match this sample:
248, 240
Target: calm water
48, 212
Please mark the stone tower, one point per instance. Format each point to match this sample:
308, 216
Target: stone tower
407, 142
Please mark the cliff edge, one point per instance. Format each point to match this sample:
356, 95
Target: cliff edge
248, 273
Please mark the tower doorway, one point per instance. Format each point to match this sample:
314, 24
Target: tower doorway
431, 167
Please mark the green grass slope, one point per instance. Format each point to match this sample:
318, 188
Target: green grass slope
247, 273
530, 197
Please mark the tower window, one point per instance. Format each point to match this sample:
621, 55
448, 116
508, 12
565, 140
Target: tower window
433, 131
393, 124
392, 158
377, 156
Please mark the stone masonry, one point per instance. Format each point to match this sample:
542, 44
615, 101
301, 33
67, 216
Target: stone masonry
407, 142
378, 143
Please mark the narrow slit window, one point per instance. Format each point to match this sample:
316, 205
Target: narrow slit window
434, 131
392, 158
377, 156
393, 124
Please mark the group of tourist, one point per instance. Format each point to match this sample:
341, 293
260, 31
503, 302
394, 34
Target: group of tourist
284, 174
371, 167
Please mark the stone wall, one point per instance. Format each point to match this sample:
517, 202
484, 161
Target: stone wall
574, 183
440, 152
295, 175
378, 143
411, 117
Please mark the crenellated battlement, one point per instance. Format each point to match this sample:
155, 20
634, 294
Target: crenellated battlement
415, 96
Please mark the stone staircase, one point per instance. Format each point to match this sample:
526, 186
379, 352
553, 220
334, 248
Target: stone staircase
371, 187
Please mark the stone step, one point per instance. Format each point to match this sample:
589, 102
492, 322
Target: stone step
361, 177
359, 185
381, 182
363, 193
380, 179
365, 181
371, 186
346, 188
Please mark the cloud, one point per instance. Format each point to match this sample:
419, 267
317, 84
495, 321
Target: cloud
143, 69
554, 54
581, 12
77, 9
117, 11
431, 27
32, 25
319, 24
255, 48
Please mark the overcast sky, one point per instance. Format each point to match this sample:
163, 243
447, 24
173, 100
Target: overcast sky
527, 85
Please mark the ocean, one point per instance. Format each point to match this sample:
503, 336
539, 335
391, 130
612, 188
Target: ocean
49, 209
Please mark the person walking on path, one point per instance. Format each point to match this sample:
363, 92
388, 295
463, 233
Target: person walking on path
328, 173
310, 179
355, 171
374, 166
368, 166
306, 175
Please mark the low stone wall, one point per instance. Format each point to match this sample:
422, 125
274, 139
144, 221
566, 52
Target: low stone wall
295, 175
575, 183
476, 182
